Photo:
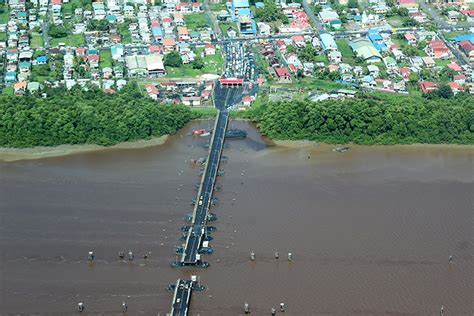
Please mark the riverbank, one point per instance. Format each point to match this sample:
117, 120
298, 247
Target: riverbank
14, 154
324, 146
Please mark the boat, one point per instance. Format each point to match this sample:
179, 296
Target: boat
341, 149
199, 131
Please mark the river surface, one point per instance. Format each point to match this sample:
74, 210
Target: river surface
370, 230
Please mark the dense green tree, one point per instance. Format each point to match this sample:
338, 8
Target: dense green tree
173, 59
270, 12
98, 25
57, 31
372, 120
197, 63
85, 117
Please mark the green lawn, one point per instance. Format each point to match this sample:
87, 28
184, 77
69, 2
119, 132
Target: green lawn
8, 91
212, 65
225, 25
346, 51
74, 40
4, 16
68, 7
125, 33
36, 41
3, 35
318, 84
442, 62
204, 112
216, 7
395, 21
449, 35
105, 58
197, 20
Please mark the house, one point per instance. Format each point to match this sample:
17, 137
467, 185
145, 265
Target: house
454, 66
390, 64
41, 60
33, 87
183, 34
298, 40
377, 40
20, 87
335, 57
247, 100
283, 74
328, 42
168, 44
428, 61
456, 87
460, 79
117, 51
411, 5
373, 70
405, 73
411, 38
209, 49
152, 91
467, 48
427, 86
437, 49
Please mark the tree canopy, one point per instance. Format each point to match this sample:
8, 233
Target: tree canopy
173, 59
86, 117
370, 121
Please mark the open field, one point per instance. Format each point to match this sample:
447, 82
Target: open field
74, 40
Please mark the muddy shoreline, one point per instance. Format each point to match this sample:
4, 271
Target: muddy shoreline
39, 152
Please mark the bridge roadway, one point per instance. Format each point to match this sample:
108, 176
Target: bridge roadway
182, 296
198, 230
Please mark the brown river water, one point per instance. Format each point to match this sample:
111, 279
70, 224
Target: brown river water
370, 230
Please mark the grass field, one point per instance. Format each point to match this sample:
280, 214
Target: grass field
442, 62
125, 33
450, 35
346, 51
74, 40
225, 25
212, 65
197, 20
318, 84
105, 58
4, 15
36, 41
3, 35
8, 91
216, 7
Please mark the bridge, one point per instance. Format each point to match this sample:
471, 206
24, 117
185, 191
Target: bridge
182, 295
197, 233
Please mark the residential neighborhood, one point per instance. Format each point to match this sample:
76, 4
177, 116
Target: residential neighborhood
394, 47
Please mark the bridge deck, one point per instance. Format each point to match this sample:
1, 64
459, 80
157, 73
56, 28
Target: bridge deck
198, 230
181, 298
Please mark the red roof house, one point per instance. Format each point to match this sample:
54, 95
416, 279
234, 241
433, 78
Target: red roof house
427, 86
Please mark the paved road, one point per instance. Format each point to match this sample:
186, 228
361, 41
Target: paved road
215, 23
309, 11
434, 15
45, 29
443, 25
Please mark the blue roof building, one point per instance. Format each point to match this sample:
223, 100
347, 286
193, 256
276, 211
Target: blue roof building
376, 40
328, 42
469, 37
236, 5
42, 59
